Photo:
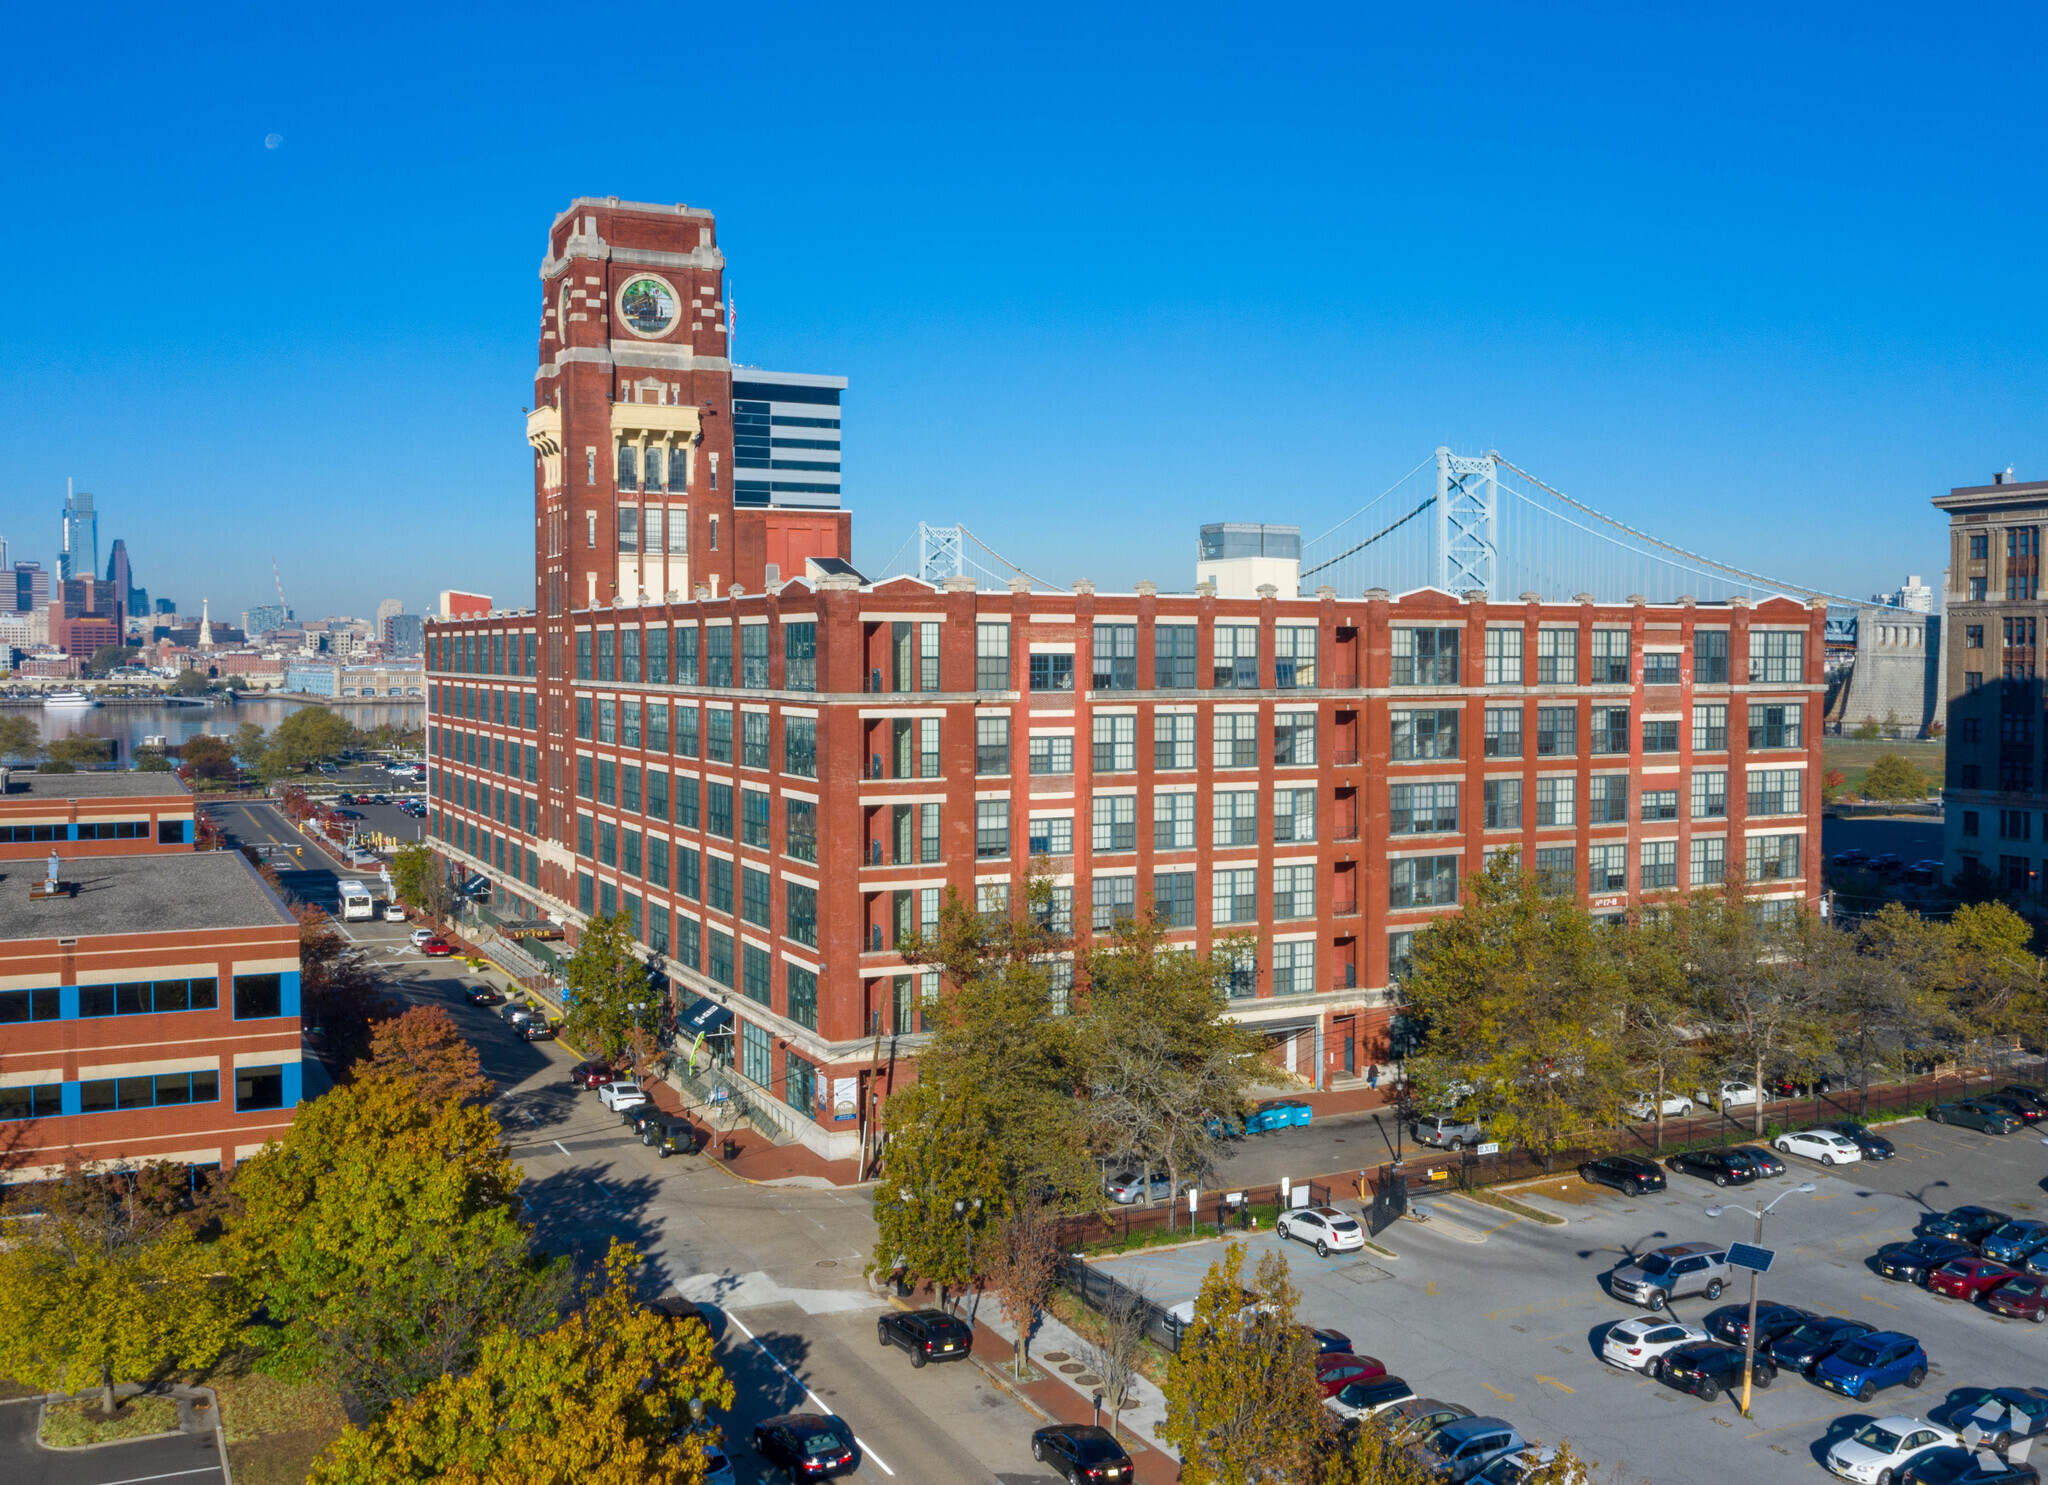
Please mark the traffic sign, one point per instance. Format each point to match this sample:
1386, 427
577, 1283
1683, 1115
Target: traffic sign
1749, 1256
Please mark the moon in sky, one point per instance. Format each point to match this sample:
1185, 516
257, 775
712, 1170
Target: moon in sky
272, 141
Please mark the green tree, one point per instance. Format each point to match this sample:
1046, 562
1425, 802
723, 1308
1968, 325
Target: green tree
20, 739
1999, 988
248, 743
100, 1285
1767, 986
236, 683
304, 738
1891, 987
109, 658
151, 760
1242, 1400
943, 1156
1891, 777
382, 1236
82, 750
188, 683
1661, 1026
605, 984
604, 1394
419, 881
1867, 731
1368, 1456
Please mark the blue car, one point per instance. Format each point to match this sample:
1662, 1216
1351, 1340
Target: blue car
1884, 1358
1280, 1113
2016, 1242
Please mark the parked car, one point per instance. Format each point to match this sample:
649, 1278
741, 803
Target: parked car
1868, 1364
1973, 1113
2023, 1109
437, 948
1707, 1368
1458, 1451
1803, 1349
1083, 1453
2023, 1297
1800, 1083
1328, 1340
1879, 1451
1418, 1419
618, 1096
1722, 1167
1969, 1278
1921, 874
1447, 1132
1731, 1322
1962, 1466
1625, 1173
1768, 1166
1730, 1094
681, 1311
1874, 1146
484, 995
1827, 1146
1638, 1345
2016, 1242
1964, 1224
1854, 856
2032, 1092
2004, 1415
1670, 1272
1338, 1368
1325, 1229
1527, 1464
588, 1075
393, 913
1278, 1113
1368, 1399
1888, 861
1130, 1187
809, 1446
1676, 1106
1912, 1262
421, 937
928, 1335
672, 1136
534, 1029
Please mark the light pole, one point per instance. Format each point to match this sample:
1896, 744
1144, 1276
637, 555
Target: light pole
1749, 1338
967, 1208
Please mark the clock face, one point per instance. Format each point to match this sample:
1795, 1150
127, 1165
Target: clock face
648, 305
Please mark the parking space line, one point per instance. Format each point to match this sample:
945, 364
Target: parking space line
776, 1361
1503, 1396
211, 1469
563, 1148
1874, 1300
1560, 1386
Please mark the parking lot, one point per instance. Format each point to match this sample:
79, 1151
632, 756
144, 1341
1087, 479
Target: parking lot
1505, 1314
189, 1459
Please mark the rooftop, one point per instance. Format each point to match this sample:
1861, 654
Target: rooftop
138, 894
127, 784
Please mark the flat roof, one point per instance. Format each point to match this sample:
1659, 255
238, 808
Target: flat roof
127, 784
138, 894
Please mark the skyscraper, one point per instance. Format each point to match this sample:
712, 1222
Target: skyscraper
80, 556
121, 578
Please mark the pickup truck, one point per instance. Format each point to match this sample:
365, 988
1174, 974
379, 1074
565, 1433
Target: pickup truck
1447, 1132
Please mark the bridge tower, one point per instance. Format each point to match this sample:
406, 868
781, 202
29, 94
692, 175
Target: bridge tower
939, 554
1467, 521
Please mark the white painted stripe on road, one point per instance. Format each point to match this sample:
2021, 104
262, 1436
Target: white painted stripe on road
563, 1148
212, 1469
865, 1447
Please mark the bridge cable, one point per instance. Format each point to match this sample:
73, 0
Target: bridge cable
1384, 531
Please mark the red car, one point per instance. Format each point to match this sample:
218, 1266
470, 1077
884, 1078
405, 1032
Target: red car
1970, 1278
1339, 1369
2024, 1297
437, 948
588, 1075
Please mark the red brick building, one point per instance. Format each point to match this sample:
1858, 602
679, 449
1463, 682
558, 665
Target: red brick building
776, 785
92, 814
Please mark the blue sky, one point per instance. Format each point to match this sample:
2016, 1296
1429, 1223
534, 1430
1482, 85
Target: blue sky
1761, 280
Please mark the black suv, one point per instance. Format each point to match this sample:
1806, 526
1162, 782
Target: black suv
1082, 1453
669, 1135
1624, 1173
1730, 1323
1964, 1225
1705, 1368
808, 1446
1722, 1167
1911, 1263
928, 1335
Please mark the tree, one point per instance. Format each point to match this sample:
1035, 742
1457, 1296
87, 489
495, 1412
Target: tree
1867, 731
1024, 1267
1112, 1352
418, 879
109, 658
604, 1394
1242, 1400
188, 683
1892, 777
338, 989
100, 1285
20, 739
235, 683
1831, 784
303, 739
382, 1236
942, 1178
82, 750
1998, 978
208, 758
1368, 1456
151, 760
1765, 985
605, 984
1890, 980
424, 1047
249, 743
1662, 1024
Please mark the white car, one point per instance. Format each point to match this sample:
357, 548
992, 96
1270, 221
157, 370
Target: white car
1880, 1450
1325, 1228
1638, 1345
423, 935
1675, 1105
1369, 1399
1729, 1095
1512, 1469
1823, 1145
618, 1097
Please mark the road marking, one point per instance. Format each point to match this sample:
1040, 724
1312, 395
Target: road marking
1874, 1300
1503, 1396
1561, 1387
1863, 1211
563, 1148
211, 1469
776, 1361
1432, 1287
1826, 1195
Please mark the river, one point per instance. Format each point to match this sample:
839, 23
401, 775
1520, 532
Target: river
128, 726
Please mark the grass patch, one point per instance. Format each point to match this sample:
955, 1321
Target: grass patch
1508, 1204
73, 1425
1067, 1308
1854, 757
275, 1429
1160, 1237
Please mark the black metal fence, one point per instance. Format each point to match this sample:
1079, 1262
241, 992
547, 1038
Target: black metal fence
1102, 1293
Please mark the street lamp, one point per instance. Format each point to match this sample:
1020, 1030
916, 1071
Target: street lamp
1806, 1188
967, 1208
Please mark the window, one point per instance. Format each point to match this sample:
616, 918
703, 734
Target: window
1710, 728
1556, 802
1237, 739
1610, 729
1977, 590
1053, 755
1557, 657
1972, 776
629, 791
657, 861
992, 745
1294, 657
583, 655
1115, 897
1709, 862
2014, 872
1173, 740
1557, 872
1660, 804
1980, 547
1116, 743
131, 998
1503, 657
1116, 657
1173, 657
1420, 735
1610, 657
607, 843
259, 1088
686, 802
800, 746
757, 1061
1660, 736
1052, 835
1424, 881
582, 720
1294, 815
1776, 656
1173, 821
799, 657
686, 656
753, 739
1234, 895
803, 991
1659, 868
1607, 799
258, 996
718, 883
1772, 858
41, 1101
754, 818
687, 731
1969, 822
586, 829
1973, 636
992, 899
1775, 726
991, 657
1294, 967
1774, 791
991, 828
718, 655
607, 781
1294, 739
1052, 672
1557, 731
1236, 817
1660, 668
42, 1004
1503, 803
754, 656
657, 736
1607, 868
754, 896
1060, 992
2020, 631
607, 644
799, 1082
1972, 679
1173, 898
631, 853
1425, 657
1421, 809
1400, 955
1116, 822
1237, 657
2015, 825
718, 810
1503, 732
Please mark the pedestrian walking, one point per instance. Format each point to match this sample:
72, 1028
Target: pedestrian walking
1372, 1077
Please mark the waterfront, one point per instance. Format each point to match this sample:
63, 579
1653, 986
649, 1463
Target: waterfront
129, 725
